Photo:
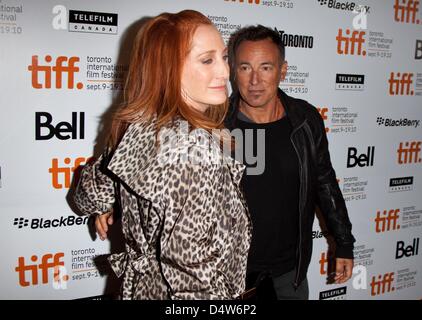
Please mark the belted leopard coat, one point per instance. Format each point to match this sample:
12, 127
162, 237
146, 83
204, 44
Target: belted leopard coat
186, 225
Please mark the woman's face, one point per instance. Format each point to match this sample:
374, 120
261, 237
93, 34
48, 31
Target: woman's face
206, 71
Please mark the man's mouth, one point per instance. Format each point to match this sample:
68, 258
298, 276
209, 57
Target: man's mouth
254, 92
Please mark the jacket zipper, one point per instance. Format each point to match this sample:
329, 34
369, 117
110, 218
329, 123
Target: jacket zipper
300, 209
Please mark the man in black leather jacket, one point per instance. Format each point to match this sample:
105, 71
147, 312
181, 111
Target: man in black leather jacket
298, 174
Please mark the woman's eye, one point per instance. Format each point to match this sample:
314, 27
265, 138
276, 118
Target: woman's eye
208, 61
226, 57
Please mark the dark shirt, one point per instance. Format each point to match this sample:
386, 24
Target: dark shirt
273, 199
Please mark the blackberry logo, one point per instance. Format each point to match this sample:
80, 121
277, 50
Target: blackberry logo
403, 122
42, 223
319, 234
21, 222
348, 6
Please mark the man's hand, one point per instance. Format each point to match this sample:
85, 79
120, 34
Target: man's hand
102, 222
344, 269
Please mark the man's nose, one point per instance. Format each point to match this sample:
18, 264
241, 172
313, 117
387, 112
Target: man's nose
254, 79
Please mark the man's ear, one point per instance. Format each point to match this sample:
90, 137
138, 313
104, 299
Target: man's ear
284, 66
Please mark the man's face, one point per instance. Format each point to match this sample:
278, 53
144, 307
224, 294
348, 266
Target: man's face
259, 71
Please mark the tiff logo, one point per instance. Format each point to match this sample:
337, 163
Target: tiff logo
401, 84
62, 65
409, 153
65, 171
387, 221
325, 263
406, 11
347, 44
48, 262
323, 112
383, 284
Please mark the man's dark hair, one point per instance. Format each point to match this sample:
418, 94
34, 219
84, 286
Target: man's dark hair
253, 33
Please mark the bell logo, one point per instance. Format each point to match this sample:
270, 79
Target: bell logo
249, 1
409, 251
401, 84
383, 284
410, 152
62, 65
43, 121
66, 171
347, 44
363, 160
406, 11
418, 50
387, 221
323, 112
48, 262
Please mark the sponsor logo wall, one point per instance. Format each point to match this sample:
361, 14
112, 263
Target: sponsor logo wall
62, 72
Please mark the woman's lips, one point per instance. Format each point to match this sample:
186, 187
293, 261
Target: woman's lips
218, 88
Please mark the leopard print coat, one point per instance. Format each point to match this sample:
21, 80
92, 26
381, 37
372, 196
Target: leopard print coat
186, 224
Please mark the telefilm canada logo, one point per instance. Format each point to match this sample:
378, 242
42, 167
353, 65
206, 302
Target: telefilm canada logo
84, 21
93, 22
333, 294
401, 184
350, 82
43, 223
345, 6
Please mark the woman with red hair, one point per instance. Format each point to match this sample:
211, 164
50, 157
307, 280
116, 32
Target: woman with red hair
186, 225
